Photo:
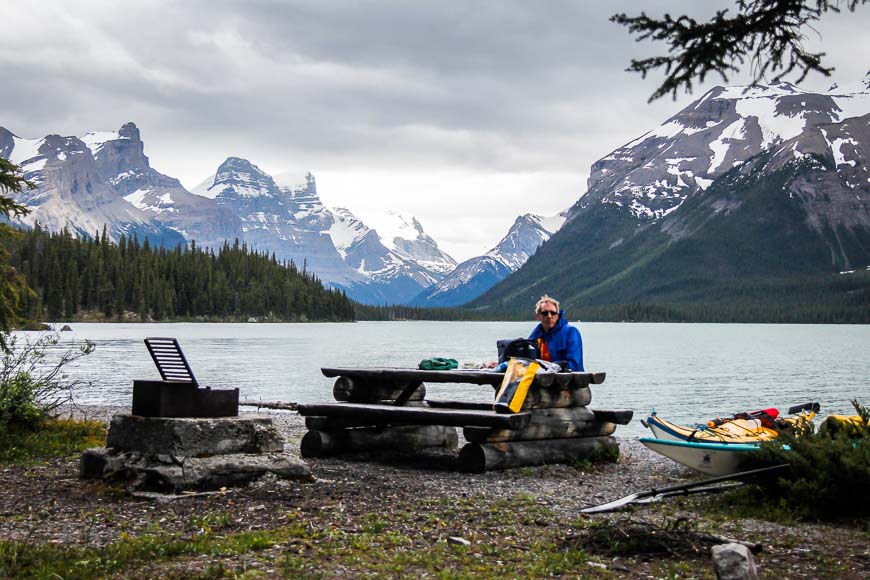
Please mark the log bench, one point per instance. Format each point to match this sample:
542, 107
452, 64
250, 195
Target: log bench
387, 408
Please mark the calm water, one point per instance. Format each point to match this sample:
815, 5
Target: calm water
688, 372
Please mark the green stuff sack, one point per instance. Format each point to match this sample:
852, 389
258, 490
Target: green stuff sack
438, 364
518, 378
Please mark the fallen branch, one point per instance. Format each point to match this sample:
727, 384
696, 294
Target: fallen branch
754, 547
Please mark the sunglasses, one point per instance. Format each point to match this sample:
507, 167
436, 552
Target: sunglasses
549, 313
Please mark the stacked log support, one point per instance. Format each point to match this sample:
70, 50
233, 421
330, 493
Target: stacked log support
333, 435
562, 428
387, 409
480, 457
406, 438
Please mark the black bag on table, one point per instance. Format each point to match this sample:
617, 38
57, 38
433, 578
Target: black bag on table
517, 347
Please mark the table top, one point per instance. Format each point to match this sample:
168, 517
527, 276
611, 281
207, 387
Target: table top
471, 376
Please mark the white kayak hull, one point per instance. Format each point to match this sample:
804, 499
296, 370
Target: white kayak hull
710, 458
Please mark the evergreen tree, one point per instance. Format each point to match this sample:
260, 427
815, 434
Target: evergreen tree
12, 286
79, 277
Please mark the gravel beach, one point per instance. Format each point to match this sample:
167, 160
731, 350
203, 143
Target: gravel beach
48, 504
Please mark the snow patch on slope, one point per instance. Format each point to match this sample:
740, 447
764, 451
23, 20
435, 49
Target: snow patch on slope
96, 139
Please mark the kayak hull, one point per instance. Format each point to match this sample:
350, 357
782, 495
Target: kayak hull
711, 458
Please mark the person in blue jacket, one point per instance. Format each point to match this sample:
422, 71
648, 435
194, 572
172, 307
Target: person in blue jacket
559, 341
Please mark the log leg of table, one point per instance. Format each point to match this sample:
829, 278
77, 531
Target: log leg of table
481, 457
360, 391
404, 438
554, 396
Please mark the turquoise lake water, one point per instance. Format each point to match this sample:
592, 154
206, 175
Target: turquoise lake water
688, 372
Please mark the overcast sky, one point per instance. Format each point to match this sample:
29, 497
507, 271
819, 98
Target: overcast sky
462, 113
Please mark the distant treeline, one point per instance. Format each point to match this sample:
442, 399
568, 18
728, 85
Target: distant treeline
819, 299
94, 278
399, 312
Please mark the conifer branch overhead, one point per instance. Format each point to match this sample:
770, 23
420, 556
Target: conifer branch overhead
766, 34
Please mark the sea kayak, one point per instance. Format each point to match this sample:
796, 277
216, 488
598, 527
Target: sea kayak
750, 427
710, 458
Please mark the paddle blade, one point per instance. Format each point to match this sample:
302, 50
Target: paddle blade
612, 505
814, 407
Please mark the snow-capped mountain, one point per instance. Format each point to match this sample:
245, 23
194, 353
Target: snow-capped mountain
71, 192
748, 197
105, 179
404, 236
286, 221
293, 223
653, 174
406, 259
120, 158
476, 275
366, 251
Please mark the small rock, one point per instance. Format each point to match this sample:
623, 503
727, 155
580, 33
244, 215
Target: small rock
66, 328
734, 562
597, 565
458, 541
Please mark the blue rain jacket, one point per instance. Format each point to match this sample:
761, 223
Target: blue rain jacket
563, 342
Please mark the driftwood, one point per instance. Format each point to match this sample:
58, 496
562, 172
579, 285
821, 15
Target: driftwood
546, 424
481, 457
269, 405
356, 390
390, 414
408, 438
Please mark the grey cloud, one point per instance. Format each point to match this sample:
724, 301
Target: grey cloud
480, 86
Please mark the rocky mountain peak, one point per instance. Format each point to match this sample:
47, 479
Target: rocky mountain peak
653, 175
130, 131
239, 178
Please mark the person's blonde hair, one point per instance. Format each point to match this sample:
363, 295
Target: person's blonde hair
543, 299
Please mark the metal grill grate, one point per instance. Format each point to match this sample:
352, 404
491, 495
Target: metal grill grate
170, 361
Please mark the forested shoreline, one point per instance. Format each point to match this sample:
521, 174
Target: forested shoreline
96, 279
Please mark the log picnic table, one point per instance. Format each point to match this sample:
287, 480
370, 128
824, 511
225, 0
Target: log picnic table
381, 408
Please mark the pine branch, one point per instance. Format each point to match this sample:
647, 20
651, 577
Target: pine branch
767, 33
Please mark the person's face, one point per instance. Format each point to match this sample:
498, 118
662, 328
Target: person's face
548, 315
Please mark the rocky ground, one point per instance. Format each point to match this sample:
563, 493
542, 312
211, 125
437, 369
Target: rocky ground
385, 515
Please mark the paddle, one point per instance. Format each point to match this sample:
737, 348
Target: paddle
675, 490
814, 407
694, 490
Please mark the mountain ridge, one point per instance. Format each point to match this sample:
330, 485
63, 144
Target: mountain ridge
718, 208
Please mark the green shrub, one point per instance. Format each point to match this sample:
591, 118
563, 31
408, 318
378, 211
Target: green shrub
32, 385
827, 474
17, 403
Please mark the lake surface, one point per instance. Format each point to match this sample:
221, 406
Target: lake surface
688, 372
